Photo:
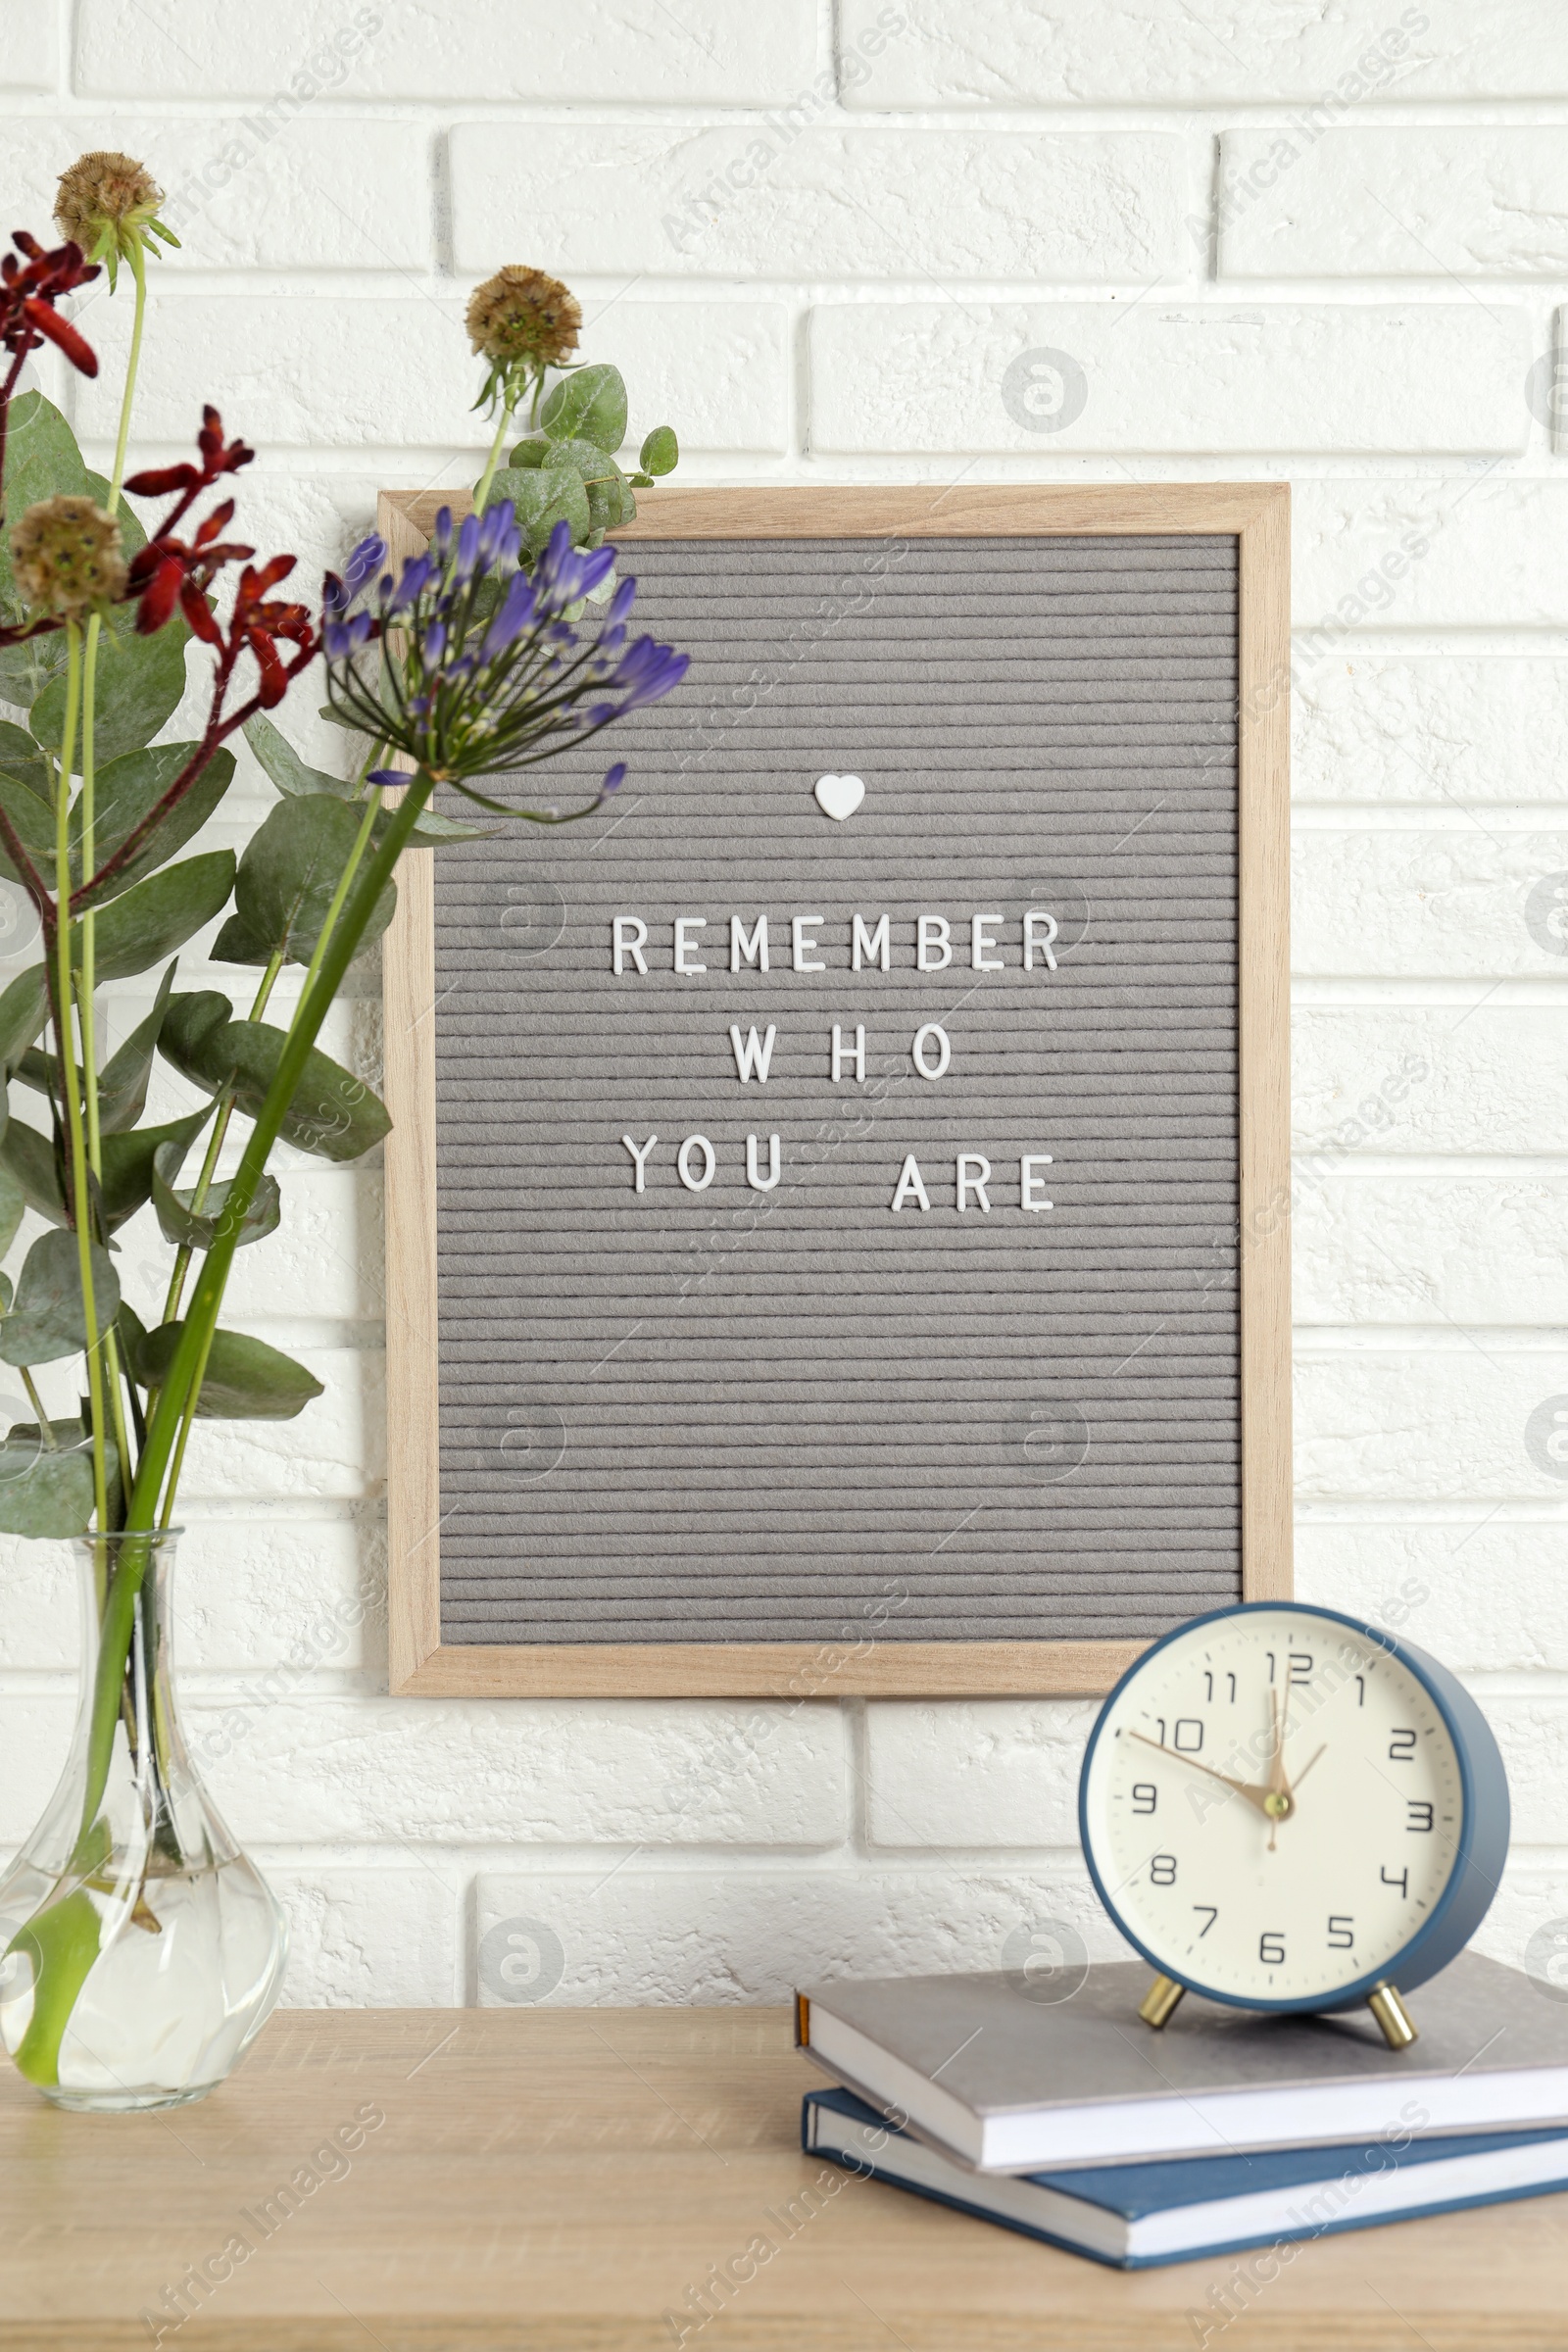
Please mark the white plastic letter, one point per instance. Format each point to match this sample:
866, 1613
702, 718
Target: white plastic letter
933, 947
1041, 938
980, 940
873, 946
910, 1187
686, 928
840, 1057
628, 935
935, 1030
974, 1175
759, 1183
683, 1169
752, 1057
804, 962
749, 950
639, 1160
1029, 1181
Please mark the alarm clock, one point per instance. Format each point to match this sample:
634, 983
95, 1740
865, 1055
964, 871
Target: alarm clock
1284, 1808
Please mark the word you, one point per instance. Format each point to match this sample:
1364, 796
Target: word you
697, 1165
995, 941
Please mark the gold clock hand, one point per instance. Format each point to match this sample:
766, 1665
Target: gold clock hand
1305, 1768
1253, 1797
1278, 1802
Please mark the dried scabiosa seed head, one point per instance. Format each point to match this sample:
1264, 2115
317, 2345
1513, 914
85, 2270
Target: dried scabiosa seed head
107, 203
524, 314
65, 554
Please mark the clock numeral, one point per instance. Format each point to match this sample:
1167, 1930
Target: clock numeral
1270, 1654
1145, 1796
1415, 1809
1209, 1680
1213, 1913
1163, 1870
1271, 1947
1191, 1723
1342, 1931
1300, 1665
1402, 1748
1402, 1881
1360, 1690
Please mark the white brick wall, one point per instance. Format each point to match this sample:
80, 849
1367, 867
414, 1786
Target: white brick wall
1328, 245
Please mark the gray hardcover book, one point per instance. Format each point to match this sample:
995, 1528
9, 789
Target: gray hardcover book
1008, 2084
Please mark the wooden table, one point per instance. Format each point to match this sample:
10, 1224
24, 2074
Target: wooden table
559, 2181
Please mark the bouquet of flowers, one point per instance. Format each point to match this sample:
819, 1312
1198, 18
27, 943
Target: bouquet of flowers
505, 643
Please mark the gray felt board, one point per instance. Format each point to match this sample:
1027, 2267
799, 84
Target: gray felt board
732, 1413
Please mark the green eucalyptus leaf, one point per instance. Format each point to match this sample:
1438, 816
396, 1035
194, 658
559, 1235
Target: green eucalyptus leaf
21, 759
661, 451
48, 1320
44, 1492
122, 1080
42, 461
13, 1201
189, 1228
531, 453
34, 822
589, 405
128, 1161
129, 1328
141, 682
245, 1379
283, 767
601, 477
287, 772
332, 1114
127, 789
29, 1157
159, 915
286, 882
23, 1011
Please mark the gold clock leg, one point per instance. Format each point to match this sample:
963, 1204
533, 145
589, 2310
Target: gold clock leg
1399, 2030
1158, 2004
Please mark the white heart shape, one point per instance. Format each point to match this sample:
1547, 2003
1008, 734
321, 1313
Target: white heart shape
839, 797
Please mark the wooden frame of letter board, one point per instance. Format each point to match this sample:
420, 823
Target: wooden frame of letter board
1258, 515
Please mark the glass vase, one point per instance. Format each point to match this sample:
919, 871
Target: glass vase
140, 1951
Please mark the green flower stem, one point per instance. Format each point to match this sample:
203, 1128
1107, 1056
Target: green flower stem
82, 1204
483, 492
329, 926
201, 1322
45, 1425
87, 995
138, 269
89, 709
209, 1167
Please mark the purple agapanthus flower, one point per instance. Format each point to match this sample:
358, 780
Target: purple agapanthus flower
476, 684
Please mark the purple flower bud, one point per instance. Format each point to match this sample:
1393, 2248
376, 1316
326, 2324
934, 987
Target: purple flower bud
369, 553
614, 778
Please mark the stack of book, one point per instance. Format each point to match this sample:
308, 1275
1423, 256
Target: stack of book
1074, 2123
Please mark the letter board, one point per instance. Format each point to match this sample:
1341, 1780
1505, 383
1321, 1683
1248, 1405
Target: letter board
837, 1206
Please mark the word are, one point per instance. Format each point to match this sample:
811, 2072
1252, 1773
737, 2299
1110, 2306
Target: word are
995, 941
697, 1165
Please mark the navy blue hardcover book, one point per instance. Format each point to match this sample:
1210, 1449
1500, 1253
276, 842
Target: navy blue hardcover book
1134, 2216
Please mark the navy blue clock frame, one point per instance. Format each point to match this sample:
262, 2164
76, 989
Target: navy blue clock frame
1483, 1830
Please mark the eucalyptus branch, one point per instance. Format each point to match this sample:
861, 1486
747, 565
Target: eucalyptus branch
82, 1204
215, 736
189, 1359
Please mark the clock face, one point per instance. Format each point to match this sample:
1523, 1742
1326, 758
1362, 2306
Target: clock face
1273, 1806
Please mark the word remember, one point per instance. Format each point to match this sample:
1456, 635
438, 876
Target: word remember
1030, 941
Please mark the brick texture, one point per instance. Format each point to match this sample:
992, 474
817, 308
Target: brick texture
828, 246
